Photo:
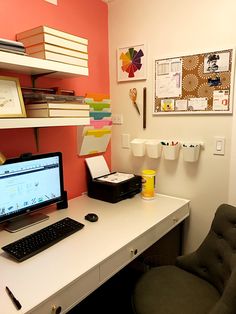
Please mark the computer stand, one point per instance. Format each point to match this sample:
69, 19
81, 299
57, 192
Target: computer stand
64, 202
25, 221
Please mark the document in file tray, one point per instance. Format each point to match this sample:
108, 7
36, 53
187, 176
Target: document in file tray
116, 177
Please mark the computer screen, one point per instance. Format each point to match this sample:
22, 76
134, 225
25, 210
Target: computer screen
29, 184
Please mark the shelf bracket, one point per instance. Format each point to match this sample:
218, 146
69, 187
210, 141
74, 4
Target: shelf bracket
34, 77
36, 138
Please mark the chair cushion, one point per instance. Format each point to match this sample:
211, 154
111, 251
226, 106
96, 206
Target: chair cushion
171, 290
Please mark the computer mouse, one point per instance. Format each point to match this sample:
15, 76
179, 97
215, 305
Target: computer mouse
91, 217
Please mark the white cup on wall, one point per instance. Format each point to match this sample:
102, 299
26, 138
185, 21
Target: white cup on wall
153, 148
191, 153
171, 151
138, 147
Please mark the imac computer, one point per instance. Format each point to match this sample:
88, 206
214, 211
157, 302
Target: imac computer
27, 184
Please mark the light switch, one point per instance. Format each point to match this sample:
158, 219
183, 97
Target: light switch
125, 140
117, 118
219, 145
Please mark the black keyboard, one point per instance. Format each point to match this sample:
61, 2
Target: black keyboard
40, 240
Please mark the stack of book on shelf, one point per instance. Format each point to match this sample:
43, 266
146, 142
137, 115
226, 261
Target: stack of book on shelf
51, 44
12, 46
56, 106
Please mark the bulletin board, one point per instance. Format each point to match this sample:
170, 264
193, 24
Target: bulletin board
195, 84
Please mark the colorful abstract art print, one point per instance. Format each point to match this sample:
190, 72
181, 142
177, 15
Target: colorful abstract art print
131, 63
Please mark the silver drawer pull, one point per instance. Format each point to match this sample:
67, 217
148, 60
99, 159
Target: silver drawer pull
56, 309
134, 251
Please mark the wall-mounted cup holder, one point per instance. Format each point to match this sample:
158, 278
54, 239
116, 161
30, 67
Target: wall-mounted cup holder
138, 147
153, 148
170, 151
191, 152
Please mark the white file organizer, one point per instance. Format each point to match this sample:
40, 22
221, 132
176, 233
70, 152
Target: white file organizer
92, 141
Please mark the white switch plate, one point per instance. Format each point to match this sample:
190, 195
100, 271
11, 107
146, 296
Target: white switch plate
219, 145
117, 118
125, 141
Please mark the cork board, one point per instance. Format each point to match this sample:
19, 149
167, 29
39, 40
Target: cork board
195, 84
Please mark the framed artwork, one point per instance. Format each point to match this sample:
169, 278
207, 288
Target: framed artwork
11, 100
195, 84
131, 63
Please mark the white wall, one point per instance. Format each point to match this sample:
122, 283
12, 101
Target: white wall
173, 28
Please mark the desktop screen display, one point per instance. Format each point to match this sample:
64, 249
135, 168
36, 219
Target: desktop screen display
30, 184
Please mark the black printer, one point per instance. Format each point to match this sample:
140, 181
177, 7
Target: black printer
110, 187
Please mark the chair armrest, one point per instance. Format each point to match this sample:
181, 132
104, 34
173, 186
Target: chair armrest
227, 302
188, 262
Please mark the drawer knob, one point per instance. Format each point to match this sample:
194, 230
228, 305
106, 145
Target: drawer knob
134, 251
175, 220
56, 309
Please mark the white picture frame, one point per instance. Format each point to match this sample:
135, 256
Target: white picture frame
132, 63
220, 99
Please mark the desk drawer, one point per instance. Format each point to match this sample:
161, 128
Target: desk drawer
171, 221
70, 295
125, 255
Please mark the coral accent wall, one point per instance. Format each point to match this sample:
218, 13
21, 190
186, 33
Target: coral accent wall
88, 19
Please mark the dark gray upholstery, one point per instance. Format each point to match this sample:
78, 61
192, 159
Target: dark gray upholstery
203, 282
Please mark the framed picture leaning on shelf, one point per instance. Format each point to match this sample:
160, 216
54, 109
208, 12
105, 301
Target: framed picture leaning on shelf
11, 100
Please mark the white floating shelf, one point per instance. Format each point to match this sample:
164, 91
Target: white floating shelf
15, 123
32, 66
29, 65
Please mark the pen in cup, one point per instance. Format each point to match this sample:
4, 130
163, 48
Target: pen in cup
14, 300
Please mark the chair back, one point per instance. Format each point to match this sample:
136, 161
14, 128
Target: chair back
215, 259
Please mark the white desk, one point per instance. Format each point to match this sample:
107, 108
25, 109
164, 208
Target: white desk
67, 272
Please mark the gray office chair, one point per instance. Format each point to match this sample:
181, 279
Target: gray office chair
203, 282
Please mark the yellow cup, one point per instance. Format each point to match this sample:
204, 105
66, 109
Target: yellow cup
148, 184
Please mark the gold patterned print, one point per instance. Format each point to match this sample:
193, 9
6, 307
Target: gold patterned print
190, 63
205, 90
201, 72
157, 104
188, 96
225, 80
190, 82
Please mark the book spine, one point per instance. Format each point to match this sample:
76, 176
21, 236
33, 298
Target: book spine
60, 58
11, 42
57, 106
68, 113
54, 40
13, 48
42, 113
12, 51
37, 113
56, 49
53, 31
